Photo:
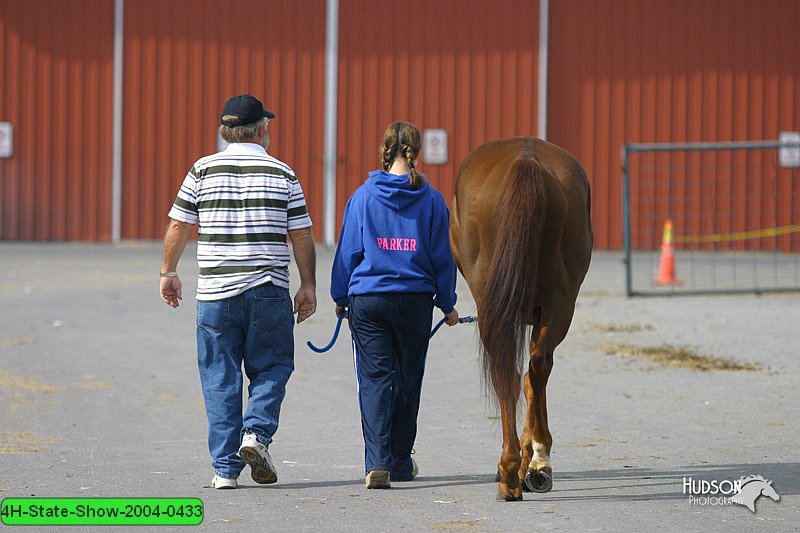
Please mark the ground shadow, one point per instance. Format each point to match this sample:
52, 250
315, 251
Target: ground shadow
785, 479
638, 483
419, 483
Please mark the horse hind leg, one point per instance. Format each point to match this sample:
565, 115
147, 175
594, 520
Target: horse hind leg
536, 440
509, 487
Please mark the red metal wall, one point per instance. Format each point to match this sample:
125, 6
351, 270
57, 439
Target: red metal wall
56, 76
468, 66
625, 71
620, 71
183, 59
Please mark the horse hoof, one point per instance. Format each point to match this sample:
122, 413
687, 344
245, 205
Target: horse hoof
501, 497
540, 481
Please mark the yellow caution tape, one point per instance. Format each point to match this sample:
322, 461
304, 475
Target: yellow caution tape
741, 235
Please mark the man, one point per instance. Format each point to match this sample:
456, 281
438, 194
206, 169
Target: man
245, 202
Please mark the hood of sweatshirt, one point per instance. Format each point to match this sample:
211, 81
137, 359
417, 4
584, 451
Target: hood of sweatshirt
392, 190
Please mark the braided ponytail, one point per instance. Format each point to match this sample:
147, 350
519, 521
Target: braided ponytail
413, 176
388, 151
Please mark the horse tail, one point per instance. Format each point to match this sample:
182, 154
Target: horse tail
507, 302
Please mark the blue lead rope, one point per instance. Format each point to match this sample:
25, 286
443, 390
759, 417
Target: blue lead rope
461, 320
333, 340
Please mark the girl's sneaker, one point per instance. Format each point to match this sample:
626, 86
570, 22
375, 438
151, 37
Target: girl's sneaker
378, 479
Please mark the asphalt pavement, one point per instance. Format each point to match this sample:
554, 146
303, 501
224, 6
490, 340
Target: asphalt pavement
100, 397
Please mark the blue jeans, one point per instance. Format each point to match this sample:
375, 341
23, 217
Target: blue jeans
255, 328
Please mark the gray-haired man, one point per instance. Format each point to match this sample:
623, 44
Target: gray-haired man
245, 203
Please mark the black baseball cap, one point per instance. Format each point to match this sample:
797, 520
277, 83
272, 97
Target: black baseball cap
246, 108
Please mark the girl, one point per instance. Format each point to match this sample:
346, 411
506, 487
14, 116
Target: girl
392, 266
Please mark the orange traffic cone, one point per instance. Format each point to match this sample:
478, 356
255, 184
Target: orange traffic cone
666, 270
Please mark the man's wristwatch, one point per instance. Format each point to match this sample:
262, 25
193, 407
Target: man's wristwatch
168, 274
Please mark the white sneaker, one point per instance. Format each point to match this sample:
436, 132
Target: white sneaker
256, 455
218, 482
414, 469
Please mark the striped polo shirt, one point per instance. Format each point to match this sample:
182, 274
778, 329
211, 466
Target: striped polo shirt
244, 202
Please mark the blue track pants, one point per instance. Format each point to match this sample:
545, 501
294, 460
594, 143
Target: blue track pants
390, 337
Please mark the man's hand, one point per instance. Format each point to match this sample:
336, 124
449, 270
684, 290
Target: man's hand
452, 318
341, 311
171, 291
175, 239
305, 302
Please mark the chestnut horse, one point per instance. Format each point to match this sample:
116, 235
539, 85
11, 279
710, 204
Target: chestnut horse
521, 235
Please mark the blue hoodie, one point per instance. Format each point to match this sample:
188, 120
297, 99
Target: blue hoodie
394, 239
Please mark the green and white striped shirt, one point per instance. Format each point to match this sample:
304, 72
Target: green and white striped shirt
244, 202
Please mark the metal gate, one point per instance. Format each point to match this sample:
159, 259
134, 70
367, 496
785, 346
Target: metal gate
711, 217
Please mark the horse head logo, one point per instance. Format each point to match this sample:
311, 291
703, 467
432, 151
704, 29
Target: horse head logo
751, 487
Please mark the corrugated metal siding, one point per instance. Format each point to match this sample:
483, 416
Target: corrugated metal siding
468, 66
620, 71
183, 59
626, 71
56, 60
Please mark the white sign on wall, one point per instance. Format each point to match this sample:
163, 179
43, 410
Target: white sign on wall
6, 139
434, 147
789, 156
